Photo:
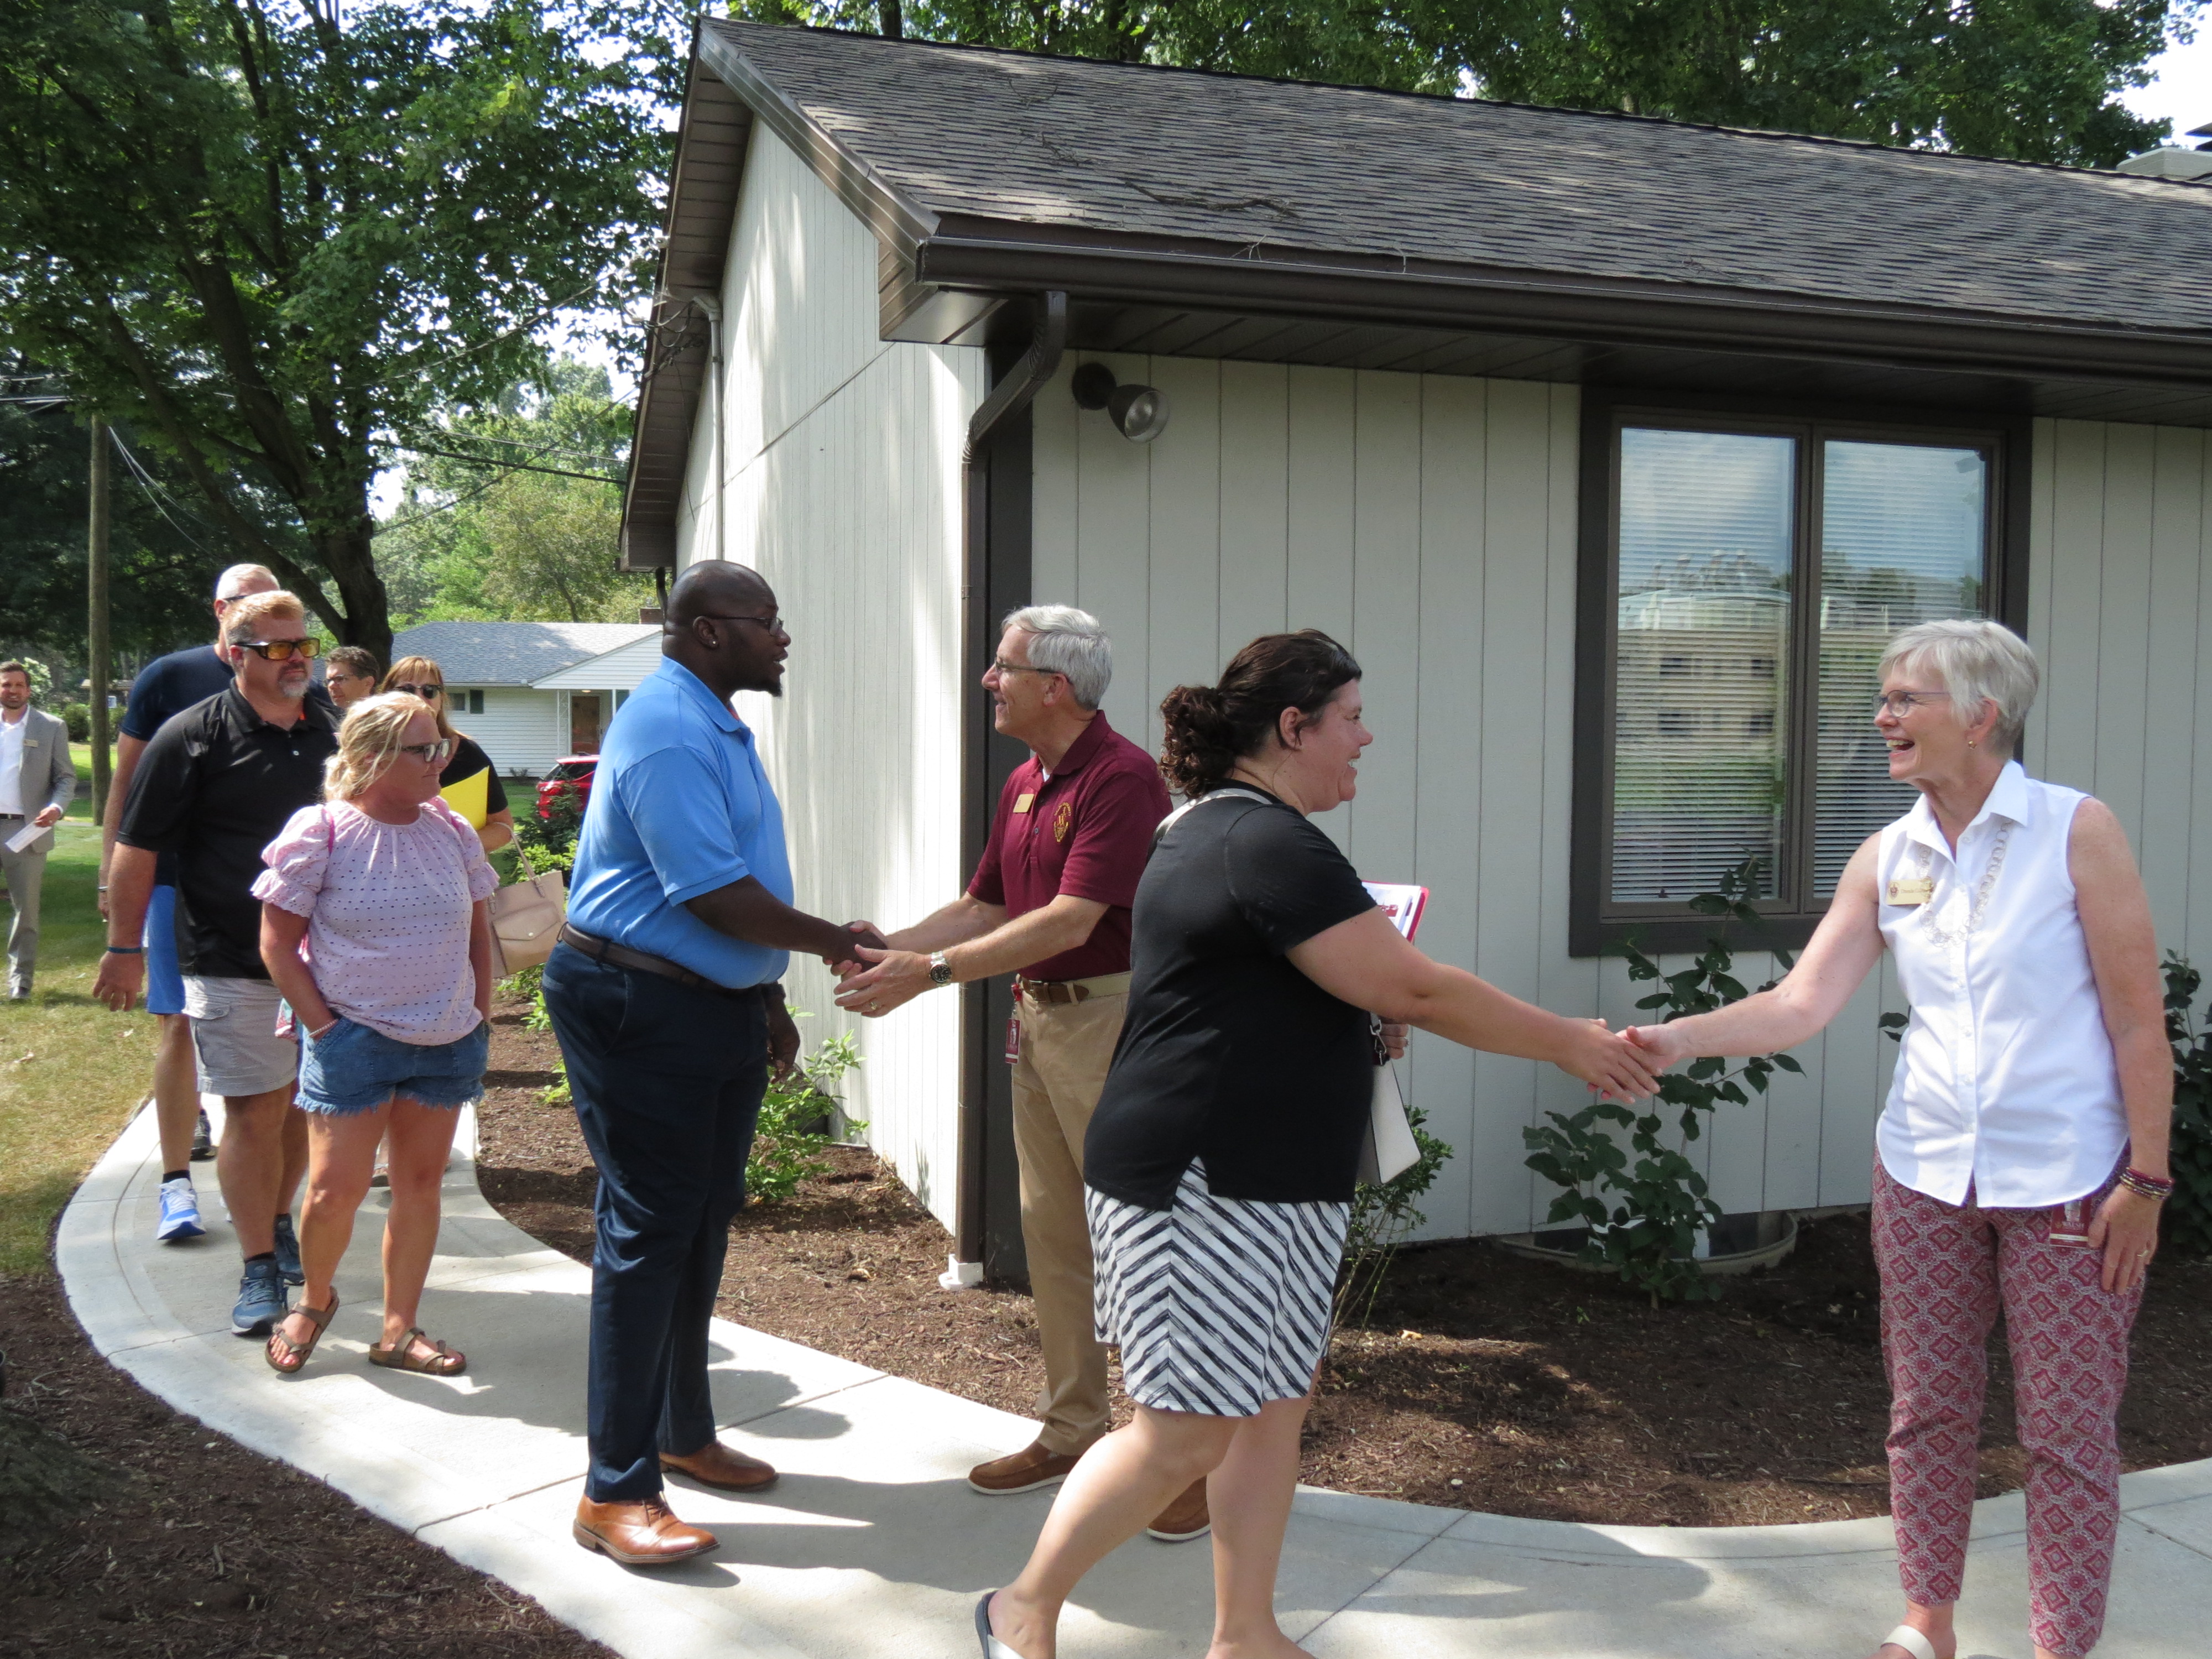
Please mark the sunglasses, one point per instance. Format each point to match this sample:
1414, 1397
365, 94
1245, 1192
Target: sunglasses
428, 693
282, 650
435, 754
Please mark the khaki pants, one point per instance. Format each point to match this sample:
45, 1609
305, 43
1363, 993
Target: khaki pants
24, 871
1066, 1049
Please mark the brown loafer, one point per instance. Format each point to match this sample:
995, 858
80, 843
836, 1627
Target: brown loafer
715, 1465
1184, 1519
639, 1534
1030, 1470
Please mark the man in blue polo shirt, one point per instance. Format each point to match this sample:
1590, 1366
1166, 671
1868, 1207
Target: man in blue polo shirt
664, 994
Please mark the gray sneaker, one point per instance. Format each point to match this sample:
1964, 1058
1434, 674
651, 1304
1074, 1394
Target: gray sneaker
287, 1252
261, 1300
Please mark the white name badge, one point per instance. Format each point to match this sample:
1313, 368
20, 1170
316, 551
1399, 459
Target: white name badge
1912, 889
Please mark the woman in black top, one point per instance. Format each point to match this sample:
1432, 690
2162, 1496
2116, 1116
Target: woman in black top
469, 784
1220, 1160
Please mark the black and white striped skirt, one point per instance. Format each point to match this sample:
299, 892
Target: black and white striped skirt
1218, 1304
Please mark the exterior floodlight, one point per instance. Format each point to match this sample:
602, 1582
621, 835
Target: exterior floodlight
1140, 413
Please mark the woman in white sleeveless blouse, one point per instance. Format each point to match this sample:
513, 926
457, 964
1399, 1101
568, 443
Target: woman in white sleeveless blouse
2021, 1156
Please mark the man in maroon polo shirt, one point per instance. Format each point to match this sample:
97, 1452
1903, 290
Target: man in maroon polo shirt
1050, 903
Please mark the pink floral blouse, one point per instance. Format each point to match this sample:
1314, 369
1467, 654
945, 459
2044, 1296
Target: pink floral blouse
388, 907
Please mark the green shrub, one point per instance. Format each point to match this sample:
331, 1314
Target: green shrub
1645, 1206
78, 717
2187, 1223
1382, 1215
550, 843
796, 1116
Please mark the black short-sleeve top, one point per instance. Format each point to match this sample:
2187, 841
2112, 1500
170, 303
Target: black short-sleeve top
1229, 1053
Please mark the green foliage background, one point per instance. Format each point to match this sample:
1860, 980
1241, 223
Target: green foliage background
2038, 80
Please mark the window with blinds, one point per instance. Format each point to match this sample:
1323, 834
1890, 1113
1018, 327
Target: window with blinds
1755, 571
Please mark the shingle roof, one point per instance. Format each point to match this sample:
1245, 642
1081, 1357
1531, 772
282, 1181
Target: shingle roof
1087, 147
510, 652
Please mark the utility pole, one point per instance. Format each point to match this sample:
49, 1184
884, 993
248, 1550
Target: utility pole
96, 607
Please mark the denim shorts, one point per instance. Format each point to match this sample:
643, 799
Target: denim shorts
353, 1068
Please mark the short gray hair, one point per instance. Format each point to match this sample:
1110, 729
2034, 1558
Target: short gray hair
1978, 662
1070, 643
234, 581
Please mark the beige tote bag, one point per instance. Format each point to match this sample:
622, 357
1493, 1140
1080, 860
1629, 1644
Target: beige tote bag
525, 920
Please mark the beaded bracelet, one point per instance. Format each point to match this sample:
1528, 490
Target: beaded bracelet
2153, 1187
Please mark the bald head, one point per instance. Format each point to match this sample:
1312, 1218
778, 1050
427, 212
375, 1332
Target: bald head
716, 587
723, 625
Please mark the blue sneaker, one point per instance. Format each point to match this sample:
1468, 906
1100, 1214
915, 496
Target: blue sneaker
287, 1252
261, 1300
180, 1212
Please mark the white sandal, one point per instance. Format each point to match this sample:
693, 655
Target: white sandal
994, 1649
1903, 1637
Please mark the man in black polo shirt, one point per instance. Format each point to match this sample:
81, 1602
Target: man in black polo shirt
215, 784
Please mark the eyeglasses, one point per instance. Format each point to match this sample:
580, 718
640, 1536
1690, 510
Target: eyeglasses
1000, 665
772, 624
435, 754
429, 693
282, 650
1901, 703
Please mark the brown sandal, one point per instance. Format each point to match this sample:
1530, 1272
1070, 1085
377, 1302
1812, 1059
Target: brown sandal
400, 1356
294, 1355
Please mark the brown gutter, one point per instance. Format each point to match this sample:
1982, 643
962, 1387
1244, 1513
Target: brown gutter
1012, 394
1411, 294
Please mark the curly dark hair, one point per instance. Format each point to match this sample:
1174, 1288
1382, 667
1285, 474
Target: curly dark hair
1209, 728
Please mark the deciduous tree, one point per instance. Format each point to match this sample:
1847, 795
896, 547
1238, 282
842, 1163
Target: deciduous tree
273, 236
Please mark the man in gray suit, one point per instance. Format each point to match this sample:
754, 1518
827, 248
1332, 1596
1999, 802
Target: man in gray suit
37, 779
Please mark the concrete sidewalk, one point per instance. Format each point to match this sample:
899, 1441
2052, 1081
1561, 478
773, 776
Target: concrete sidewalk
872, 1544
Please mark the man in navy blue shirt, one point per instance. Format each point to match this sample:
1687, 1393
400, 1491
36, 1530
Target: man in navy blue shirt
165, 687
664, 992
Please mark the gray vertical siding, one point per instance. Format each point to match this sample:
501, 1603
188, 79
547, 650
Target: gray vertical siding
1430, 523
842, 488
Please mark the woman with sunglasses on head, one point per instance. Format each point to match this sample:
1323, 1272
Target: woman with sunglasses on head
469, 785
374, 926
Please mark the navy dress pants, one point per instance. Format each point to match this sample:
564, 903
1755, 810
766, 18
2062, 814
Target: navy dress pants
667, 1079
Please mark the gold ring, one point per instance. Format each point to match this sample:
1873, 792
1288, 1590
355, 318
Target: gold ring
873, 1006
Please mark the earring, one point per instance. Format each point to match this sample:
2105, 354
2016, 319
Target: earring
1970, 743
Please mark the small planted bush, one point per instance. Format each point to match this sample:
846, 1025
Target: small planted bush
1625, 1171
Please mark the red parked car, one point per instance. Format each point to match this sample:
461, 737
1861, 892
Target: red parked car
570, 776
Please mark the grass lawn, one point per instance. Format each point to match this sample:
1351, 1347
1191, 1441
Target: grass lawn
70, 1072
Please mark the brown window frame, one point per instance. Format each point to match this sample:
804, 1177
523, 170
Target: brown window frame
1594, 921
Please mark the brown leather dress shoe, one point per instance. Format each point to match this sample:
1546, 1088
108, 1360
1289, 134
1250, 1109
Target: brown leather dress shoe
1030, 1470
715, 1465
1184, 1519
638, 1535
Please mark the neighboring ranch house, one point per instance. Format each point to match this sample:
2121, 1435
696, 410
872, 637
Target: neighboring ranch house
1613, 447
531, 692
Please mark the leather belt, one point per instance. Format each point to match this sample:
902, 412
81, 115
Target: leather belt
606, 950
1073, 990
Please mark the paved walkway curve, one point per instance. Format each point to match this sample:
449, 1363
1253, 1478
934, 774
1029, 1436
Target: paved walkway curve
873, 1548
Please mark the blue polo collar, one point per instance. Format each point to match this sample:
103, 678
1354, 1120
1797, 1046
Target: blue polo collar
690, 685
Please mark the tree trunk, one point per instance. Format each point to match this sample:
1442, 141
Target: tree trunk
350, 557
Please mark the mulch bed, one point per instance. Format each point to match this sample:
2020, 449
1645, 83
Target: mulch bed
1478, 1381
129, 1527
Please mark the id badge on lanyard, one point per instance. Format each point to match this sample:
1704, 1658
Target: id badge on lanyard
2069, 1224
1014, 1036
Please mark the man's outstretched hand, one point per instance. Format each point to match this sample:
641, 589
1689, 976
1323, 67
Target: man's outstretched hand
861, 933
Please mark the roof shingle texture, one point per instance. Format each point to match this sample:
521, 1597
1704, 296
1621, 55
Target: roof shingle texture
510, 652
1135, 149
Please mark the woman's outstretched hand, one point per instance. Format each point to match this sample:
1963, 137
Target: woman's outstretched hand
1610, 1064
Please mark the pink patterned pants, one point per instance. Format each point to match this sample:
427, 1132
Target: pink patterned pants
1946, 1269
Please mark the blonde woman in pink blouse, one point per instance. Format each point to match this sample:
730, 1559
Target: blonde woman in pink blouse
374, 926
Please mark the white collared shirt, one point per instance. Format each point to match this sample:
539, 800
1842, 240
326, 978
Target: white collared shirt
11, 761
2006, 1081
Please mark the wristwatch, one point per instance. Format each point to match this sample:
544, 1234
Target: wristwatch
940, 970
